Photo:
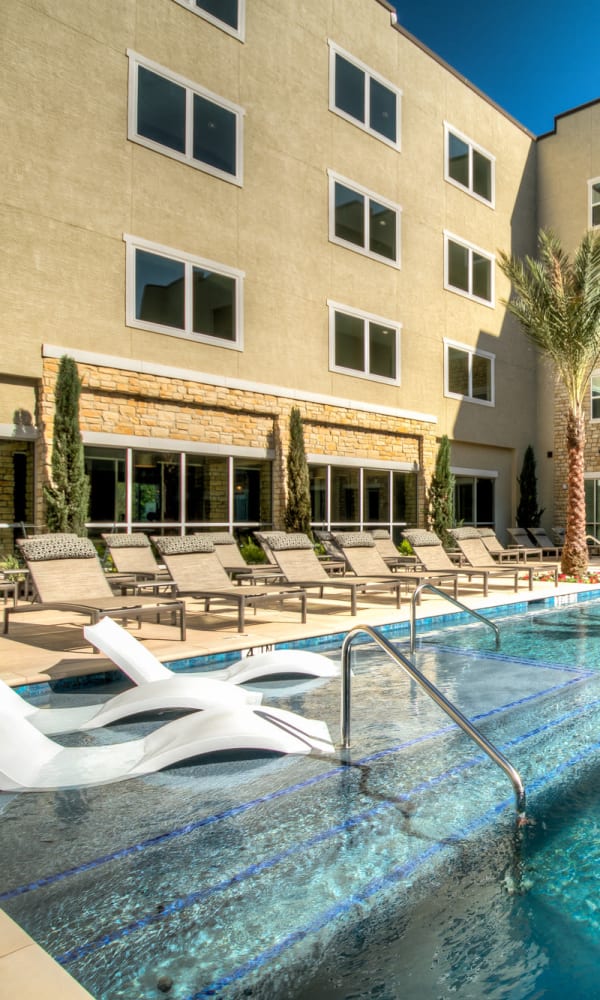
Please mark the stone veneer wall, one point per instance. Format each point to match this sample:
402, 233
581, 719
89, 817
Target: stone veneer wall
114, 401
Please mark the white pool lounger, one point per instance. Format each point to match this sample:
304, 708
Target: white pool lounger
142, 666
173, 693
31, 762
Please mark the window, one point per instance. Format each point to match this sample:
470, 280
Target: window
474, 499
468, 270
175, 293
362, 221
468, 165
594, 202
364, 345
363, 97
469, 374
595, 389
225, 14
184, 121
359, 496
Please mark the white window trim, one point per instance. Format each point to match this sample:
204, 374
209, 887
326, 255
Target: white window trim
370, 74
191, 88
366, 317
471, 352
594, 180
134, 243
366, 194
239, 33
471, 247
473, 146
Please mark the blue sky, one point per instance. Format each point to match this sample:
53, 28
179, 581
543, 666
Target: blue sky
536, 58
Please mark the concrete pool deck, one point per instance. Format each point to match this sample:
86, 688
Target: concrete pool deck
47, 646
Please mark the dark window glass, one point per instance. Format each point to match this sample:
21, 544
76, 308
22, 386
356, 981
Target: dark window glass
482, 176
482, 277
464, 500
458, 371
596, 215
405, 497
214, 304
349, 342
485, 501
318, 493
349, 215
214, 135
161, 110
481, 377
458, 160
349, 88
344, 497
206, 488
383, 110
155, 487
382, 351
252, 491
159, 290
382, 230
105, 468
458, 266
596, 398
595, 204
223, 10
376, 496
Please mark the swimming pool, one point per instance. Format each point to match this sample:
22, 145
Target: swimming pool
396, 872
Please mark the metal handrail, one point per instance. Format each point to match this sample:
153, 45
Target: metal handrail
437, 696
457, 604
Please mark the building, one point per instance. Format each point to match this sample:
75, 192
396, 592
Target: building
222, 209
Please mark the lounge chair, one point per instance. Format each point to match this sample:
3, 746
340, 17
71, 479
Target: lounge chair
516, 553
31, 762
132, 554
232, 560
432, 555
544, 542
387, 550
364, 560
143, 668
297, 561
473, 549
521, 537
66, 575
197, 572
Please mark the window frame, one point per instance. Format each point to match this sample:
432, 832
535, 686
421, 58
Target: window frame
239, 32
471, 352
471, 248
191, 89
473, 147
134, 243
370, 74
366, 317
368, 196
595, 377
592, 183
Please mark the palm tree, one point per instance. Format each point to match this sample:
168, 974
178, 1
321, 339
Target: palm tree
557, 302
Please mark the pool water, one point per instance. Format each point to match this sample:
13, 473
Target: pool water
391, 870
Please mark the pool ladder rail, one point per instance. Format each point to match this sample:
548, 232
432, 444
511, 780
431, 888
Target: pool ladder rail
451, 710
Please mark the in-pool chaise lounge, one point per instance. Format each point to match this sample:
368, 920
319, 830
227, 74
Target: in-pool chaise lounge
31, 762
142, 666
66, 575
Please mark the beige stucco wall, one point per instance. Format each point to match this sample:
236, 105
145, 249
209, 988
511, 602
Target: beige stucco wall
74, 184
568, 157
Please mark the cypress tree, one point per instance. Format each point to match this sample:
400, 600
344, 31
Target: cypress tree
297, 510
441, 495
67, 496
528, 512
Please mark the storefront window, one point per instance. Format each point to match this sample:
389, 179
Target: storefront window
252, 491
105, 468
156, 477
207, 488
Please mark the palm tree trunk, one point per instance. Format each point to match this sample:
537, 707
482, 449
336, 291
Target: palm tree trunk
575, 551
